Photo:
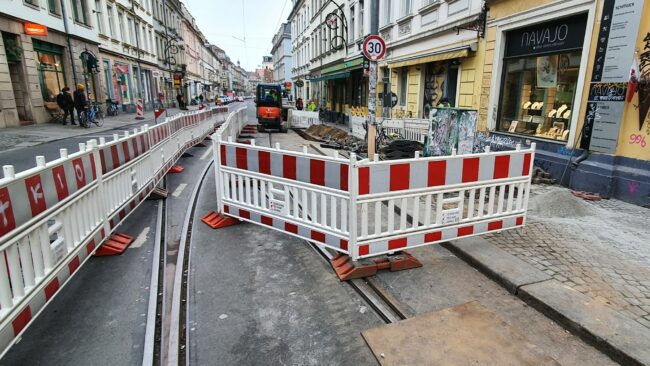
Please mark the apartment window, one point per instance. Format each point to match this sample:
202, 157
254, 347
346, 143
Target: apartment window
53, 7
110, 15
385, 18
98, 14
131, 30
151, 46
31, 2
403, 85
120, 20
79, 11
360, 19
352, 34
405, 8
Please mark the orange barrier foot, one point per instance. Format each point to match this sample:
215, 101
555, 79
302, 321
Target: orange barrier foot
176, 169
216, 220
114, 245
349, 270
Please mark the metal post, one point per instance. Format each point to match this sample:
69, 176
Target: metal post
372, 83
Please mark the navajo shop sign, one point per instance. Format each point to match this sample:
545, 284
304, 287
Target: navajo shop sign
559, 35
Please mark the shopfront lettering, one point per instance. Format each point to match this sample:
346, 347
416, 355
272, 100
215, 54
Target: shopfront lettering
545, 36
611, 92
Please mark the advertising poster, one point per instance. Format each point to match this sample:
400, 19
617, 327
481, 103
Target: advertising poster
547, 71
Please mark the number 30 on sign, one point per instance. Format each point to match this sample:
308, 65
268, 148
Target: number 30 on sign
374, 47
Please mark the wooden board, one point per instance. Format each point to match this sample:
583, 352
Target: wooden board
467, 334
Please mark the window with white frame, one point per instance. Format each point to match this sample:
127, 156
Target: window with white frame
360, 19
79, 11
98, 14
120, 20
351, 25
405, 8
110, 15
386, 12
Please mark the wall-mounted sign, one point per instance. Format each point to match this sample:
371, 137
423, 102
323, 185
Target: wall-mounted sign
300, 83
619, 25
555, 36
33, 29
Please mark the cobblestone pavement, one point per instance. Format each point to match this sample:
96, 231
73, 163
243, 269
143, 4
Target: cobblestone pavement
598, 248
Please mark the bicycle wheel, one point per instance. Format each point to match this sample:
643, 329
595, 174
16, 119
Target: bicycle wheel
83, 119
99, 119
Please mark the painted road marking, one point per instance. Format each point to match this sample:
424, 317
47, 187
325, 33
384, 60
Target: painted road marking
206, 154
141, 238
179, 189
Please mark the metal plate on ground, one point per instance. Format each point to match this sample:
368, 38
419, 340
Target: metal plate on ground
467, 334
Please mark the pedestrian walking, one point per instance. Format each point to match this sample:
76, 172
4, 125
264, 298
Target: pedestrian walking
66, 103
299, 104
312, 106
80, 102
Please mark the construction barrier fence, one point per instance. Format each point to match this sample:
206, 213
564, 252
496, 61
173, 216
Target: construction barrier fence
54, 216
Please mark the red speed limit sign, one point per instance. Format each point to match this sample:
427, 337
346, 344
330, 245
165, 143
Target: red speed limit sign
374, 47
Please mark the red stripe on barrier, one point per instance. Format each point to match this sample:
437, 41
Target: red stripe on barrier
466, 230
397, 243
73, 265
399, 176
437, 173
8, 222
102, 161
364, 249
35, 194
226, 209
470, 169
291, 227
122, 214
79, 172
20, 322
364, 180
520, 220
317, 172
245, 214
90, 247
501, 166
51, 289
267, 220
92, 166
344, 177
431, 237
264, 158
60, 182
317, 235
241, 158
223, 155
125, 150
343, 244
289, 166
526, 169
495, 225
115, 156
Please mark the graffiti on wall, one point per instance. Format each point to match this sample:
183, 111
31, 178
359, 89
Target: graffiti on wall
434, 85
495, 142
449, 129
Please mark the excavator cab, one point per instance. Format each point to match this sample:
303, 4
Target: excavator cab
268, 98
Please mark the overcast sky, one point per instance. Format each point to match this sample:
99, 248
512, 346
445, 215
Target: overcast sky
255, 20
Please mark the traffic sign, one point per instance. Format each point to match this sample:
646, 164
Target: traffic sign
393, 99
374, 47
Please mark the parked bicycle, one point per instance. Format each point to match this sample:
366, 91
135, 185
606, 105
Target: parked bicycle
112, 108
92, 114
384, 137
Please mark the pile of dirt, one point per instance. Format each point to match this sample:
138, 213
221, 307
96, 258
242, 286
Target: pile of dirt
331, 134
560, 204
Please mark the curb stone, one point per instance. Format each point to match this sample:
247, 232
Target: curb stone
620, 338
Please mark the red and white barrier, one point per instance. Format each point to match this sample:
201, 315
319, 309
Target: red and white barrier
367, 208
139, 111
54, 216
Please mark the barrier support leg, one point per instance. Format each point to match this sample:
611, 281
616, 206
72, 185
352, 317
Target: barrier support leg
347, 269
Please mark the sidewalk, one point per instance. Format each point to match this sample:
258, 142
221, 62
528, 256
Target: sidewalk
26, 136
585, 264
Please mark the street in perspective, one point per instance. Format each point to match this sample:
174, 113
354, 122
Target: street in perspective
325, 182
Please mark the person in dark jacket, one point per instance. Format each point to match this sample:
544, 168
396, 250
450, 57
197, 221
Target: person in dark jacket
80, 102
299, 104
65, 102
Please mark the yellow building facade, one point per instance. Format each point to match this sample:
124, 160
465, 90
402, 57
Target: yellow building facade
558, 73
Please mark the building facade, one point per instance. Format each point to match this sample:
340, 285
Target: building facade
572, 91
282, 57
41, 51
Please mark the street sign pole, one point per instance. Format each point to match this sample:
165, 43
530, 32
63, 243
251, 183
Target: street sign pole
372, 122
374, 49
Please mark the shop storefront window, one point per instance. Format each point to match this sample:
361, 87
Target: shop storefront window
540, 76
538, 95
50, 72
122, 82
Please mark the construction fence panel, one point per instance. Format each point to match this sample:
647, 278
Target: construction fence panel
302, 119
55, 215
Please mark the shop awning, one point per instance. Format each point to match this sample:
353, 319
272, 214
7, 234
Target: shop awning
338, 75
431, 57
